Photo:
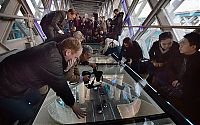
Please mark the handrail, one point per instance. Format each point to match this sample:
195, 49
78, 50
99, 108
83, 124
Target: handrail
166, 26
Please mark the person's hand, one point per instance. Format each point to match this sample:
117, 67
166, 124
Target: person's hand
60, 31
86, 78
70, 63
160, 64
175, 83
155, 64
93, 65
79, 112
129, 62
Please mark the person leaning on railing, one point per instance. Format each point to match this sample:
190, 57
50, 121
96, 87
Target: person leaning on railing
23, 73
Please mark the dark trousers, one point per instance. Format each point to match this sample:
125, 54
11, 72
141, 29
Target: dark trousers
189, 107
20, 108
112, 50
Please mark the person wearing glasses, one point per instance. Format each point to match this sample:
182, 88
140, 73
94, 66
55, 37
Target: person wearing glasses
188, 77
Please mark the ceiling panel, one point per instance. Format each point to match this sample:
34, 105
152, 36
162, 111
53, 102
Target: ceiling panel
87, 6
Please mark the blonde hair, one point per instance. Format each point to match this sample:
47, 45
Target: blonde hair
70, 43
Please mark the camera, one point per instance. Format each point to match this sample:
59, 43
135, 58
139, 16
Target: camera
98, 75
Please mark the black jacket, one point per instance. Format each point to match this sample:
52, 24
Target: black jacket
34, 68
55, 19
117, 23
191, 79
133, 52
156, 54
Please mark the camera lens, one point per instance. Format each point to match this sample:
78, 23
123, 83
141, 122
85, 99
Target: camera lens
86, 73
98, 75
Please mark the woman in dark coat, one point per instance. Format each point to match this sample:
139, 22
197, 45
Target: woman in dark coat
132, 52
162, 54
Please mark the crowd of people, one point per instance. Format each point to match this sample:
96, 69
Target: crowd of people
173, 67
58, 23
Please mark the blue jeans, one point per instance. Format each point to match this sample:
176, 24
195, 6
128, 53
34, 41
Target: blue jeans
112, 50
20, 108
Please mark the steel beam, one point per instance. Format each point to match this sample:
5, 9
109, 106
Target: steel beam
12, 8
111, 9
150, 18
131, 9
56, 5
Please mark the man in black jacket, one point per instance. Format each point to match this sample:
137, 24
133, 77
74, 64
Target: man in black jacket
23, 73
117, 24
189, 77
53, 23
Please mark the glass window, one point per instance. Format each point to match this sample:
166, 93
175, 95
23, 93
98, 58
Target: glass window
140, 13
53, 8
37, 8
116, 4
110, 12
183, 13
3, 4
15, 32
148, 38
30, 4
125, 33
19, 30
20, 13
129, 2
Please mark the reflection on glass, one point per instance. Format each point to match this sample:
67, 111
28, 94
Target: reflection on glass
101, 59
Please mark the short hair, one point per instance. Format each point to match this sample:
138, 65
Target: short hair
116, 10
72, 11
79, 35
197, 31
87, 49
70, 43
193, 39
165, 35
